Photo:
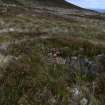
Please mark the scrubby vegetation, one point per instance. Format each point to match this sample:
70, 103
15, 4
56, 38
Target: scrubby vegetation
40, 57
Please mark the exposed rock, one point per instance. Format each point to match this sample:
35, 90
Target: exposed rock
93, 69
78, 63
76, 92
86, 66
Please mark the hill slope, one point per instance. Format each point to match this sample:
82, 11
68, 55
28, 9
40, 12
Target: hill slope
57, 3
41, 50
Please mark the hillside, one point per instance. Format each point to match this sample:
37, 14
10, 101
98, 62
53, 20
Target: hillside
32, 3
51, 56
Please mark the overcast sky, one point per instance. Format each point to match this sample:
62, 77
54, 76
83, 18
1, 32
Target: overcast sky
95, 4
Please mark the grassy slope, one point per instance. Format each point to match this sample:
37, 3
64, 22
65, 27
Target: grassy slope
56, 3
30, 80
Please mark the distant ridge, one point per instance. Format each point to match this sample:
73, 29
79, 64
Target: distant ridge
100, 10
33, 3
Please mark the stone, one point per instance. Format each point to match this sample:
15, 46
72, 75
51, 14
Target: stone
93, 69
76, 92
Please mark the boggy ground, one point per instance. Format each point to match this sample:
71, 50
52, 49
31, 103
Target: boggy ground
27, 36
